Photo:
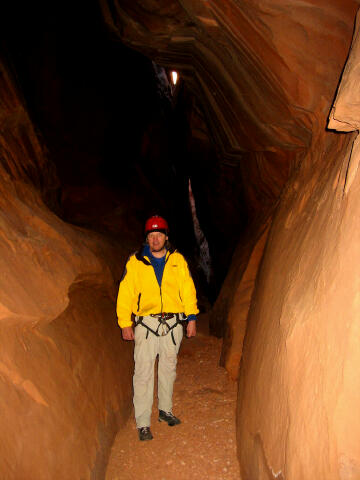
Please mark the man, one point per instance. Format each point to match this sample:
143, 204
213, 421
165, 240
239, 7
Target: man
158, 289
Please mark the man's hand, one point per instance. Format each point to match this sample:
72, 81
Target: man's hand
191, 329
127, 333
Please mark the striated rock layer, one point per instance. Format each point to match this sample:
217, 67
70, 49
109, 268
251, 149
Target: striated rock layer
266, 73
295, 346
259, 70
239, 307
64, 372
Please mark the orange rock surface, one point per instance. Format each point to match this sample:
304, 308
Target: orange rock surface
64, 373
266, 74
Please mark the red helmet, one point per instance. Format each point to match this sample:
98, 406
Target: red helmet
156, 224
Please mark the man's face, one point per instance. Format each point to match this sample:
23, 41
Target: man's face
156, 241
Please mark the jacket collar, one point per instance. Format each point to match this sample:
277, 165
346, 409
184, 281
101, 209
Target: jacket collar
144, 254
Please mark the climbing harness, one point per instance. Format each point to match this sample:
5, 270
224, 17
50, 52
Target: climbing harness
163, 328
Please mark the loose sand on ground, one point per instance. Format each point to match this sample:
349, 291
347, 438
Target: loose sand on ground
203, 446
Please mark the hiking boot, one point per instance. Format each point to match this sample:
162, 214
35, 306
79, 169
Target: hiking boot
169, 418
145, 433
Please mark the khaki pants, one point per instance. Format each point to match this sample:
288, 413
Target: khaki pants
146, 350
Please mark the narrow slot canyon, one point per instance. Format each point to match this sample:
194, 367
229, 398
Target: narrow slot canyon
252, 156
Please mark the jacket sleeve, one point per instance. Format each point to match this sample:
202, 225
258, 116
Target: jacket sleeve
187, 290
126, 295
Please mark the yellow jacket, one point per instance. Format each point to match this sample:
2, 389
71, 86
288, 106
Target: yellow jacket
140, 294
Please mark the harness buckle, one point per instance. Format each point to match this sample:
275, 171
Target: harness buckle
164, 328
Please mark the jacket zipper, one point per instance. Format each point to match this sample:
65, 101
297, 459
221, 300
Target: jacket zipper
161, 299
139, 301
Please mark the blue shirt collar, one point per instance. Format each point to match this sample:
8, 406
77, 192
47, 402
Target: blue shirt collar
146, 251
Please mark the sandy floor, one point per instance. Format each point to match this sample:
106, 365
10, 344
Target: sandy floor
203, 446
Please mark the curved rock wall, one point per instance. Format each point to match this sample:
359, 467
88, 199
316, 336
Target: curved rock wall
64, 372
259, 68
239, 309
266, 73
298, 333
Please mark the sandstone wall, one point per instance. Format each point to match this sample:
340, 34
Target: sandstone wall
238, 266
299, 387
266, 73
306, 342
259, 70
239, 308
299, 350
64, 372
